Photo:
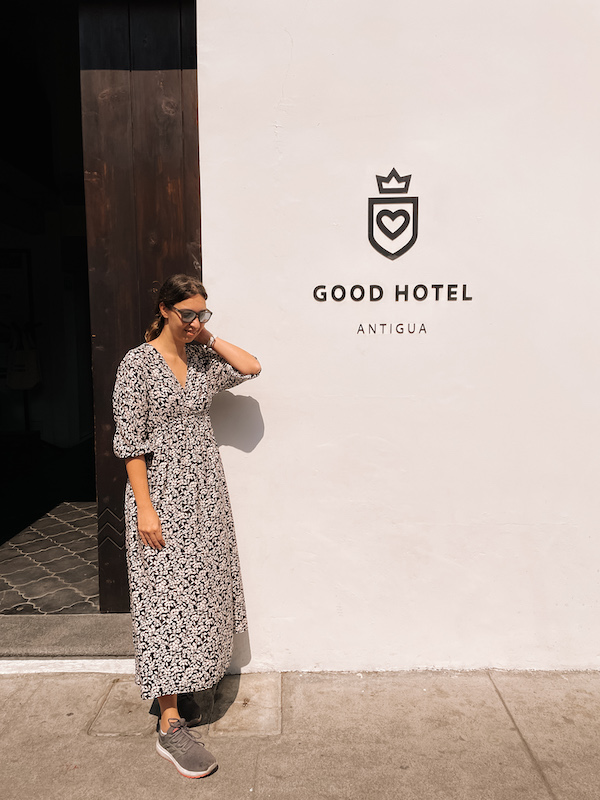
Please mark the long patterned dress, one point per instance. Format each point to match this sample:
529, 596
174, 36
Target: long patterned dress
187, 599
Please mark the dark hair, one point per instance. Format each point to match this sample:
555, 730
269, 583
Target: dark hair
174, 290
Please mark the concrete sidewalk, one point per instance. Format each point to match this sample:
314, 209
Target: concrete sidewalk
304, 736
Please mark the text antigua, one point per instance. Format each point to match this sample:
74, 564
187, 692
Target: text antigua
373, 293
391, 327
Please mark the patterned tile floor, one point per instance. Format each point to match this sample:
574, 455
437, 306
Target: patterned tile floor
51, 567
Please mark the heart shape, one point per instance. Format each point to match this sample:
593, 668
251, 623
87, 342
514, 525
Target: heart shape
392, 233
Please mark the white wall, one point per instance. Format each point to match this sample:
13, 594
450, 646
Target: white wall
416, 500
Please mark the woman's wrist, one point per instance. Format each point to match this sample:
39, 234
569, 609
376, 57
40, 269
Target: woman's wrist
205, 338
144, 504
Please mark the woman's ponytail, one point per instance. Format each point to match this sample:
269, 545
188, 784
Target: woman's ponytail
155, 327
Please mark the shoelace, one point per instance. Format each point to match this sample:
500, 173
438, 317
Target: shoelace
182, 735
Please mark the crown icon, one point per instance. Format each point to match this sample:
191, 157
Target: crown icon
394, 183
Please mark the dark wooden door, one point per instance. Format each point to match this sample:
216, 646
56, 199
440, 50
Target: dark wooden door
140, 146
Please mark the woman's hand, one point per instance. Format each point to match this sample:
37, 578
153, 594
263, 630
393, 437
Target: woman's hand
239, 359
149, 528
148, 522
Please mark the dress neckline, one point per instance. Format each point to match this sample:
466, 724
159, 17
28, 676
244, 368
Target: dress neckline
164, 361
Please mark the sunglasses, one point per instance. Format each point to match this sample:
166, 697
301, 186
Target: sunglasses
188, 316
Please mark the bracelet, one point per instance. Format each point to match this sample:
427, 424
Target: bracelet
211, 341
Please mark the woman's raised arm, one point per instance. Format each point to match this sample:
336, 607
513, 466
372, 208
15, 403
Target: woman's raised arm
239, 359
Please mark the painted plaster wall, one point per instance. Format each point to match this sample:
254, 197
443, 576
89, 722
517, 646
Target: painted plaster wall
418, 499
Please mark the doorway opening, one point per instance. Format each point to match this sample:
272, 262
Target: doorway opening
46, 407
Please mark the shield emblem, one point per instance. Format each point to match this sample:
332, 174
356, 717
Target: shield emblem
393, 224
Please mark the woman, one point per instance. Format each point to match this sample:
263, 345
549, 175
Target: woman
184, 576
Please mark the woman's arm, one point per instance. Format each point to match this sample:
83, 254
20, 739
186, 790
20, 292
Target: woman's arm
148, 522
238, 358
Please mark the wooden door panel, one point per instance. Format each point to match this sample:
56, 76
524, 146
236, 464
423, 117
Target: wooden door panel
140, 141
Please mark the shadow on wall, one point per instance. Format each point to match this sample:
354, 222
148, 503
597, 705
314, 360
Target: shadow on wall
237, 421
241, 654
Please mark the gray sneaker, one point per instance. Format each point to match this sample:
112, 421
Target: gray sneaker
181, 747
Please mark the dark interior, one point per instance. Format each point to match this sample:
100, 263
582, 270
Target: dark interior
46, 408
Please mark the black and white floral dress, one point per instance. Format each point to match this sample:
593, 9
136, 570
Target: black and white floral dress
186, 599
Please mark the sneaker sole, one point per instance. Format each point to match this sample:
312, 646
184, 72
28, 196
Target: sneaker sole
185, 772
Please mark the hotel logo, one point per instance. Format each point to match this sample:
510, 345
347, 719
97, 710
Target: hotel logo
393, 218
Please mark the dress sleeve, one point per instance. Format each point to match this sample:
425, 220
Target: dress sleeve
221, 375
130, 409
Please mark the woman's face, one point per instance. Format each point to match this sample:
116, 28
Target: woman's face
180, 330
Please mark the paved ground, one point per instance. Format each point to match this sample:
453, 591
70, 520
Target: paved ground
52, 565
84, 734
402, 736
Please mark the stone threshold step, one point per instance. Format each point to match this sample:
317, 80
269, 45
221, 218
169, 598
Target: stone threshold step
66, 635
